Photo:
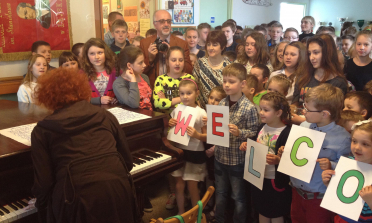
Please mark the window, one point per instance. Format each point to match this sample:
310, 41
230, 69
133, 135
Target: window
291, 15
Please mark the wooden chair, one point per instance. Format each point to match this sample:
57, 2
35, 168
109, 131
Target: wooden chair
192, 215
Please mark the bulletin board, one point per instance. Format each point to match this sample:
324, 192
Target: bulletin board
184, 12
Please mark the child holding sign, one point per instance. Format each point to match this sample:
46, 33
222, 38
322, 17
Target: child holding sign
229, 161
274, 200
361, 148
322, 108
194, 154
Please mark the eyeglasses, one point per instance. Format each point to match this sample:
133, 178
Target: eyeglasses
307, 110
162, 21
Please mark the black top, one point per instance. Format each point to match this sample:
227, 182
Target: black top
232, 47
303, 35
299, 94
200, 54
117, 49
357, 75
81, 156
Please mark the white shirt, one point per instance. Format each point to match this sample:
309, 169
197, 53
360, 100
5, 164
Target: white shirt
289, 96
26, 92
268, 137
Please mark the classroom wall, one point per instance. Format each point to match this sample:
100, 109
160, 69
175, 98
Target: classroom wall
213, 8
328, 11
82, 19
251, 15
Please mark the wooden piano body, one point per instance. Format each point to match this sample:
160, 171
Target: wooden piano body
16, 173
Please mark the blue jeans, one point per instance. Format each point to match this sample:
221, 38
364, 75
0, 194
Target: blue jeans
227, 177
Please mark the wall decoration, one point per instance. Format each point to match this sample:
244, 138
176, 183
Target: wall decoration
130, 16
23, 22
258, 2
183, 12
144, 9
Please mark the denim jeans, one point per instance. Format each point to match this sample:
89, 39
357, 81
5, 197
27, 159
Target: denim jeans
227, 177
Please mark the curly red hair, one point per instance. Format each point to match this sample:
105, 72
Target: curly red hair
61, 87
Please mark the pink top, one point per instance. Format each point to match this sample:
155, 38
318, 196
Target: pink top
145, 95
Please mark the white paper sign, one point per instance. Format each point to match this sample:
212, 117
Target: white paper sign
20, 133
255, 163
342, 195
217, 125
301, 152
185, 117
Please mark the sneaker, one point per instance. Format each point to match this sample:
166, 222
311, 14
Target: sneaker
171, 203
147, 205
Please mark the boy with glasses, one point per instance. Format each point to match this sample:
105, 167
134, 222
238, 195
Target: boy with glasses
322, 108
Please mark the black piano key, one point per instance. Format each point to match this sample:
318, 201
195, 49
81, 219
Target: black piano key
13, 207
2, 213
136, 161
23, 203
139, 161
18, 205
28, 198
5, 210
154, 154
143, 157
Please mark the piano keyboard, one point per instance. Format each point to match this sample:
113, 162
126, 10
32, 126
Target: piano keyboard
145, 159
17, 210
142, 160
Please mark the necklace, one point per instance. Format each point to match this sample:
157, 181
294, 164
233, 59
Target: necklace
215, 65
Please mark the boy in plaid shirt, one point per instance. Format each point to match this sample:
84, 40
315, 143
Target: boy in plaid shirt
229, 161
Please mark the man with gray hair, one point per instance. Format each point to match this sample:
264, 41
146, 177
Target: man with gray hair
155, 58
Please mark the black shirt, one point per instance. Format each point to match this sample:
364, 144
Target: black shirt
117, 49
358, 75
303, 35
232, 47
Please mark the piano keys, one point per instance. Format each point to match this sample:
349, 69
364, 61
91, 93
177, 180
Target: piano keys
154, 155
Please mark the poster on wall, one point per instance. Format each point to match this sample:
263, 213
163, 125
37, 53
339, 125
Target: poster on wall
144, 9
130, 16
183, 12
23, 22
105, 13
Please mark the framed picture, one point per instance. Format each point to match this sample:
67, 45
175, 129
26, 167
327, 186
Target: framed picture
45, 20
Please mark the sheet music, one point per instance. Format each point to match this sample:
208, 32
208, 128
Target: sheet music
20, 133
125, 116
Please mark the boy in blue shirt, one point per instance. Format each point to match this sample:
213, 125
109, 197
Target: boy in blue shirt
322, 107
229, 161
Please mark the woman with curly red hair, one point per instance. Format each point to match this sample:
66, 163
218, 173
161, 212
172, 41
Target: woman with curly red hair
98, 63
80, 155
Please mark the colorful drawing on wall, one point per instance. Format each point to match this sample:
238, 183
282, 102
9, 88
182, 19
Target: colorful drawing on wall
23, 22
145, 9
183, 12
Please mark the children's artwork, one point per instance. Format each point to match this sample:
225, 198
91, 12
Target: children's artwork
255, 163
217, 125
183, 12
45, 20
342, 195
20, 133
144, 10
185, 117
125, 116
301, 152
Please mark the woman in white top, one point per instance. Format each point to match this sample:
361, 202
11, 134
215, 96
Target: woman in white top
37, 66
294, 59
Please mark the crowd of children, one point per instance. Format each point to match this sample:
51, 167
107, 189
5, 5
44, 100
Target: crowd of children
269, 79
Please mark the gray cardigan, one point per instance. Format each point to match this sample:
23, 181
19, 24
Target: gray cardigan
127, 92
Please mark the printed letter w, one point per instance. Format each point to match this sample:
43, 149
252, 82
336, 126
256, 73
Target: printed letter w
181, 124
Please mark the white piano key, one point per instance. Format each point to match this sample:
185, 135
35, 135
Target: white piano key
151, 163
3, 219
11, 216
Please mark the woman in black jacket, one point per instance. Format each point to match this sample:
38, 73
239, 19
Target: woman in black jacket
80, 155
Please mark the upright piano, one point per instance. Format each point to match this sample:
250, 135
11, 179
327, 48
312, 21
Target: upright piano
153, 154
